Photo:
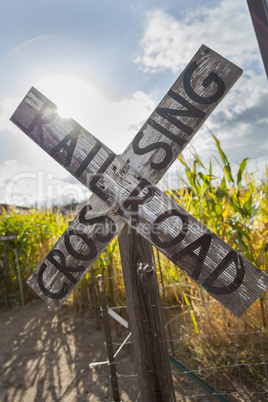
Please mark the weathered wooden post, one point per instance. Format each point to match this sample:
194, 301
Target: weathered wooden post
165, 302
146, 319
125, 193
94, 296
111, 285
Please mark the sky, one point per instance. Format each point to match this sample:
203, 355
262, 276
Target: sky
107, 64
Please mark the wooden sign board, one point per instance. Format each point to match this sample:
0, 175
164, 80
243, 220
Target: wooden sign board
8, 237
125, 190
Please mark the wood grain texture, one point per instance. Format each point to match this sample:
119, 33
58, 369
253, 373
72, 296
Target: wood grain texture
145, 316
212, 72
197, 91
54, 280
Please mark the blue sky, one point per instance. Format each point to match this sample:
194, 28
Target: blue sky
108, 64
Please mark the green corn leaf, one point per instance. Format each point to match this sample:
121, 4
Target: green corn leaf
227, 166
194, 170
249, 209
234, 202
191, 313
183, 162
223, 184
217, 209
189, 176
228, 172
242, 167
222, 154
199, 161
205, 177
210, 168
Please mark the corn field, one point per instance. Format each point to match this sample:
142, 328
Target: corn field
233, 207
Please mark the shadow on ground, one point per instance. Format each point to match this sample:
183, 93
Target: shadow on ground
45, 356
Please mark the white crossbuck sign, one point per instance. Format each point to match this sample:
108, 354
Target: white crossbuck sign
124, 190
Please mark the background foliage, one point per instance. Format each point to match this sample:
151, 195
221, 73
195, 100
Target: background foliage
235, 207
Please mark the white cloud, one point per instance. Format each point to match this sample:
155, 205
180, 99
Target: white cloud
118, 122
21, 184
169, 42
240, 121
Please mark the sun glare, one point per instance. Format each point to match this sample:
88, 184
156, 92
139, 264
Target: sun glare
68, 92
113, 121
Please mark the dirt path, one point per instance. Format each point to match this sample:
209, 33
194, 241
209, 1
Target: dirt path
45, 356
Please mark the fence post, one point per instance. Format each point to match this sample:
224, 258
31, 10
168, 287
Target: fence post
94, 296
5, 270
19, 277
111, 285
108, 337
146, 319
165, 301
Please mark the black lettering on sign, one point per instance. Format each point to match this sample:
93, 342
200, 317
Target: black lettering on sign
151, 147
167, 114
61, 266
103, 235
191, 111
212, 77
68, 143
133, 201
231, 257
46, 115
165, 132
88, 159
92, 253
161, 218
96, 178
203, 243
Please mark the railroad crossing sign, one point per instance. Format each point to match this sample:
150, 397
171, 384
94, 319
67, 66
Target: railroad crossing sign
125, 192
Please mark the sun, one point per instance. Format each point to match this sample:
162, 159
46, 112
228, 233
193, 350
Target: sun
72, 95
